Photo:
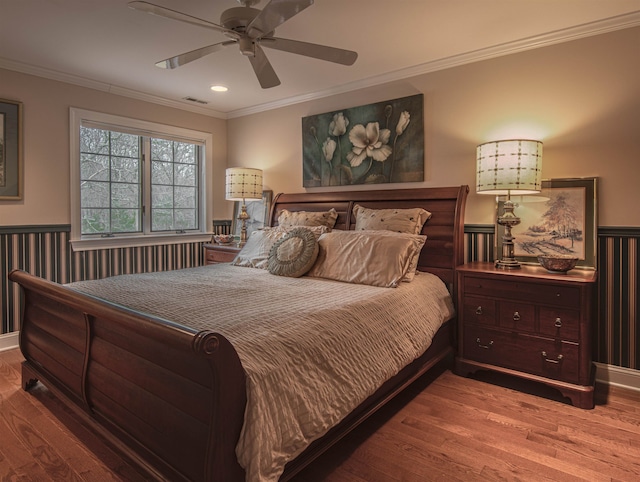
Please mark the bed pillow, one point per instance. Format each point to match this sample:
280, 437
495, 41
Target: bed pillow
413, 263
399, 220
366, 257
308, 218
255, 254
294, 254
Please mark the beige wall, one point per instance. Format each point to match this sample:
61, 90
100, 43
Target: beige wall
46, 106
581, 98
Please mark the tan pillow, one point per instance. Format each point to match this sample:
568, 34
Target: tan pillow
399, 220
366, 257
294, 254
413, 263
308, 218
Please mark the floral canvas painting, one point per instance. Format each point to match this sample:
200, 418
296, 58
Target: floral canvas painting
370, 144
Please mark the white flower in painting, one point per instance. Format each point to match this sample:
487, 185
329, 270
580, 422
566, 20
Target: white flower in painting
368, 142
338, 126
328, 148
403, 122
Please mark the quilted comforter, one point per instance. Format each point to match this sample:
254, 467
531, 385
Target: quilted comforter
312, 349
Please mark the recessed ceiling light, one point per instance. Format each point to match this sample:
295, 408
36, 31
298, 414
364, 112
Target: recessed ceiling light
219, 88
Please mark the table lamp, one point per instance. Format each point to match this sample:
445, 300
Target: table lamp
504, 168
243, 183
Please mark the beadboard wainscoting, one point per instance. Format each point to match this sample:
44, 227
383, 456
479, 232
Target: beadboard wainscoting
45, 251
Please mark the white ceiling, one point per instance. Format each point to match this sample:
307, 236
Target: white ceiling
106, 45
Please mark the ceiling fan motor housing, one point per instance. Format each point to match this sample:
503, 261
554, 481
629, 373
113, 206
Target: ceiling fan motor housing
238, 18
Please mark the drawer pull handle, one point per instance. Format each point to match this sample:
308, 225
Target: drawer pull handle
486, 347
548, 360
479, 310
558, 323
516, 316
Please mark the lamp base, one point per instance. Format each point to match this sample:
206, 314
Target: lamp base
242, 217
508, 220
507, 264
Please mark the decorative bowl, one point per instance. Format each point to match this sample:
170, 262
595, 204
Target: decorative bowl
557, 263
223, 238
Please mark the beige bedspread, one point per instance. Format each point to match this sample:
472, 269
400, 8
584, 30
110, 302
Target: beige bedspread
312, 349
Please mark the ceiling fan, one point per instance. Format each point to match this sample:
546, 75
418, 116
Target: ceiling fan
251, 29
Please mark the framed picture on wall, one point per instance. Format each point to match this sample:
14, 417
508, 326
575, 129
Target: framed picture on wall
258, 211
560, 220
10, 150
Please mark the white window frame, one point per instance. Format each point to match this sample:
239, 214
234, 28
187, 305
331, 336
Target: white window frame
146, 128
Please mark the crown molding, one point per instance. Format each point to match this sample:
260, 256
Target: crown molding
551, 38
105, 87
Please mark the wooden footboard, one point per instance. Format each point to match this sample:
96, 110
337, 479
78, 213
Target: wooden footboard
151, 387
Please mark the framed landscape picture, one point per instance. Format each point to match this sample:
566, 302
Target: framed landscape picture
258, 211
561, 220
10, 150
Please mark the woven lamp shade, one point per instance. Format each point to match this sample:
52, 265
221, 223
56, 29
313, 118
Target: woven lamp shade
511, 166
243, 183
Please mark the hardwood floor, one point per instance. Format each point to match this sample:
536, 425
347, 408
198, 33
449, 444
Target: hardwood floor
450, 428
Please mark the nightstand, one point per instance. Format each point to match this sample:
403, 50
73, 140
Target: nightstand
217, 253
530, 323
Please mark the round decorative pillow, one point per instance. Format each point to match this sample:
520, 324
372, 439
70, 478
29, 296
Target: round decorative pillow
294, 254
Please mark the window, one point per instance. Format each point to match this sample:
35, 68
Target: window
134, 182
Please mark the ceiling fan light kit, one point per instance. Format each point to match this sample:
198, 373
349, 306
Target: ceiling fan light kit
251, 29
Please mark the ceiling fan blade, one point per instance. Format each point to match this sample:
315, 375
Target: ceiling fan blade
263, 69
275, 13
174, 15
322, 52
180, 60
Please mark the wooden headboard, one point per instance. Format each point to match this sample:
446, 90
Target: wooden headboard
444, 248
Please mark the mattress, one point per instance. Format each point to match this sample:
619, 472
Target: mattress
312, 349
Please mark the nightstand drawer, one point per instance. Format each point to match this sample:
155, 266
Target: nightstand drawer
517, 316
529, 354
214, 253
479, 310
220, 256
562, 324
513, 289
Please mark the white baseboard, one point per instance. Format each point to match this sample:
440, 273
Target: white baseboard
9, 341
618, 376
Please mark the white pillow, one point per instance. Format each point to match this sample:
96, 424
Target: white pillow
255, 254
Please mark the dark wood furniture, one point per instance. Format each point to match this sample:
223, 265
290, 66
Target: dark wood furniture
530, 323
172, 399
217, 253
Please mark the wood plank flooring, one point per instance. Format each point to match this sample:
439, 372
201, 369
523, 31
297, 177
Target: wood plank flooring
448, 428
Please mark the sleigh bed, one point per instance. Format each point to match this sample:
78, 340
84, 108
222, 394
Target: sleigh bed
177, 397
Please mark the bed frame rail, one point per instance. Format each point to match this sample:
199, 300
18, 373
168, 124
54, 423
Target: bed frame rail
156, 387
